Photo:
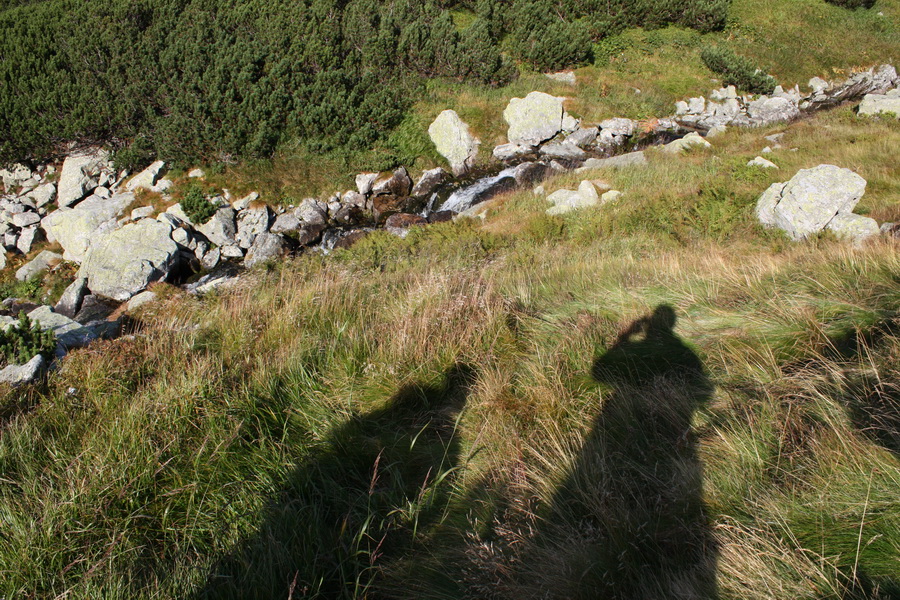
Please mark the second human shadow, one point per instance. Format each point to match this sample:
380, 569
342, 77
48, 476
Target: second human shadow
629, 521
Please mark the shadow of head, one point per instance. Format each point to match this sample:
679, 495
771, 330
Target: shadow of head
646, 349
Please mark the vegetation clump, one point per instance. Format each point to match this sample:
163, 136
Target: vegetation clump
737, 71
24, 340
196, 206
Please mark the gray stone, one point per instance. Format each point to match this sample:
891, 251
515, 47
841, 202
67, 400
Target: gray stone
761, 162
286, 223
880, 104
429, 182
567, 77
691, 140
454, 141
584, 137
312, 211
365, 181
70, 302
564, 151
176, 211
221, 228
618, 126
147, 178
15, 176
141, 212
27, 239
565, 201
2, 259
810, 200
232, 251
767, 111
23, 374
24, 219
265, 247
140, 300
534, 119
124, 262
79, 176
506, 152
853, 228
245, 202
399, 184
43, 194
162, 186
183, 238
169, 219
38, 265
74, 228
251, 223
817, 84
210, 259
197, 173
69, 333
632, 159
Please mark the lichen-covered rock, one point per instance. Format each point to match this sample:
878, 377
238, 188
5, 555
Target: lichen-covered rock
220, 229
565, 201
69, 333
691, 140
853, 228
563, 151
147, 178
454, 141
632, 159
23, 374
881, 104
74, 228
79, 176
251, 223
38, 264
534, 119
429, 182
266, 246
767, 111
124, 262
70, 302
810, 200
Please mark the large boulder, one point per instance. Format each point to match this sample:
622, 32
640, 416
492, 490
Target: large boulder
220, 229
534, 119
147, 178
767, 111
266, 246
565, 201
881, 104
124, 262
454, 142
74, 228
251, 223
38, 265
79, 175
853, 228
69, 333
810, 200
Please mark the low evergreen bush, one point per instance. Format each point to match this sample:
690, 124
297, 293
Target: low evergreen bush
196, 206
737, 71
24, 340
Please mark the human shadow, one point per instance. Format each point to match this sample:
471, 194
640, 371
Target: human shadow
629, 520
355, 504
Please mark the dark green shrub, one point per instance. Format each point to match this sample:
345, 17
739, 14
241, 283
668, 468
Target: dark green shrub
25, 340
737, 71
852, 3
196, 206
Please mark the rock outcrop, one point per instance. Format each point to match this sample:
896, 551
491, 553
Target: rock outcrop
75, 228
454, 142
125, 261
535, 119
810, 201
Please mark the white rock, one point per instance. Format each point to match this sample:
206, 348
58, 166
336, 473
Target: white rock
563, 77
197, 174
853, 228
511, 151
38, 265
534, 119
23, 374
759, 161
79, 176
74, 228
691, 140
454, 141
881, 104
140, 300
246, 201
147, 178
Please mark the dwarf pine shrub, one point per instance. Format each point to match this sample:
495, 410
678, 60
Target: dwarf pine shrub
24, 340
737, 71
195, 205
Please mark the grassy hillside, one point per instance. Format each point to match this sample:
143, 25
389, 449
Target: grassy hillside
486, 409
442, 417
